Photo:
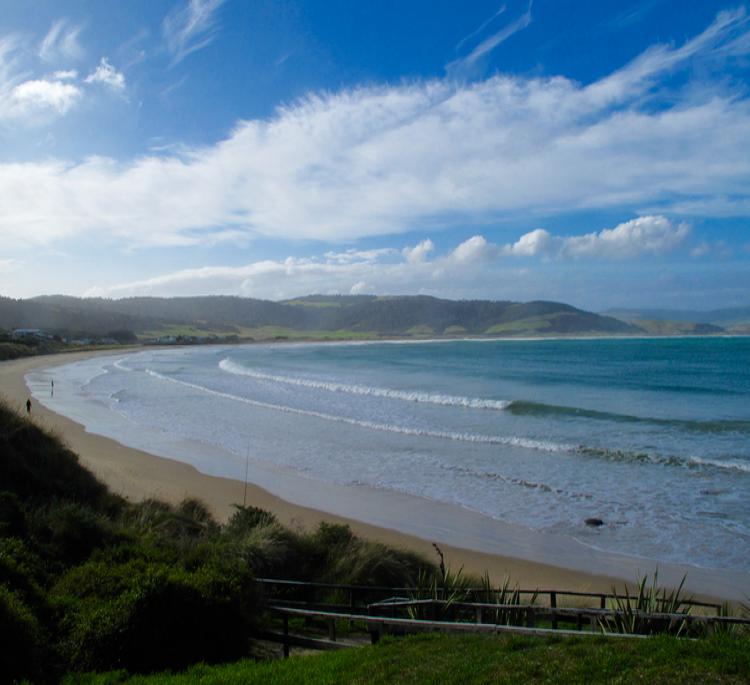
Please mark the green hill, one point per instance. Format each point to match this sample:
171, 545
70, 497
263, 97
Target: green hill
313, 316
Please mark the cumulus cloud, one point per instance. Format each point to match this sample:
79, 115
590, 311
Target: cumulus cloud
395, 158
190, 27
61, 42
107, 75
642, 236
42, 96
459, 272
419, 252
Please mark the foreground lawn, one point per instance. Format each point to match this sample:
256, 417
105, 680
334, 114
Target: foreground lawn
462, 660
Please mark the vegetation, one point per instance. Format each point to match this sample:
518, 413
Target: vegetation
317, 316
469, 659
90, 582
636, 614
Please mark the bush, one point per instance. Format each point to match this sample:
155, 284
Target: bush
12, 517
23, 653
22, 571
146, 617
246, 518
70, 532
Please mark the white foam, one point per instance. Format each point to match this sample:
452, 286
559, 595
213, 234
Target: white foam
526, 443
730, 465
407, 396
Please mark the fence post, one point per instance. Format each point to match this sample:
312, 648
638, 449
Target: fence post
530, 618
332, 630
286, 636
553, 606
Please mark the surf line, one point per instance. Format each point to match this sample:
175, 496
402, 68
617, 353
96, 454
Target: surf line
408, 396
526, 443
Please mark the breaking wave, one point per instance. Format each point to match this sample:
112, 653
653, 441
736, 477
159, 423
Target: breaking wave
405, 395
542, 445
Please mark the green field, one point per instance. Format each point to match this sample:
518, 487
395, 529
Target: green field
465, 660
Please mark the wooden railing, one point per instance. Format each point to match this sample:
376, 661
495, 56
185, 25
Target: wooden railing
387, 609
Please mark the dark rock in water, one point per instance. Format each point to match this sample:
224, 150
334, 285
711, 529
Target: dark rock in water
594, 522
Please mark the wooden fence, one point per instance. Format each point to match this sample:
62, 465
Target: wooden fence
400, 610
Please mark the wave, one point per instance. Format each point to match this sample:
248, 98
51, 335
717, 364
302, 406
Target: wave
664, 460
526, 408
511, 441
405, 395
542, 445
512, 480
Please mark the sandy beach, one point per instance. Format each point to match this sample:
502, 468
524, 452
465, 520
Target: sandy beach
137, 475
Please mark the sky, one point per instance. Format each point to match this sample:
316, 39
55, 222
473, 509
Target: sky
592, 153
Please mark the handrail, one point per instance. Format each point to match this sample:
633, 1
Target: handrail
601, 596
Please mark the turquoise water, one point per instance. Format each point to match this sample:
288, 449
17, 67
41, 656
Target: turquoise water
651, 435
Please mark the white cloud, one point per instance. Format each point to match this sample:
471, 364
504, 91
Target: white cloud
460, 272
419, 252
65, 75
531, 244
107, 75
61, 42
353, 255
30, 101
489, 44
642, 236
42, 96
190, 28
389, 159
475, 249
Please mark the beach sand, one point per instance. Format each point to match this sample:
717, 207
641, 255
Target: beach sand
137, 475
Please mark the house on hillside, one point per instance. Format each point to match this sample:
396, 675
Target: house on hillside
19, 333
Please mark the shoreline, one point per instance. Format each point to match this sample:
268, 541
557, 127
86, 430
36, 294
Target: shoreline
137, 475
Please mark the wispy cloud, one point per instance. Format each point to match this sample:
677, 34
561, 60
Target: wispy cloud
383, 160
107, 75
481, 28
460, 66
61, 42
190, 27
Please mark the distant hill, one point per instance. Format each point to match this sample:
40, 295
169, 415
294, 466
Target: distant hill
718, 317
312, 316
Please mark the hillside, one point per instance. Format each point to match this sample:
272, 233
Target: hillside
726, 318
314, 316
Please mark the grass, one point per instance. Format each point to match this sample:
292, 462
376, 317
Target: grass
465, 660
532, 325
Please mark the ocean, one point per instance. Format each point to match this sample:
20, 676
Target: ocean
650, 435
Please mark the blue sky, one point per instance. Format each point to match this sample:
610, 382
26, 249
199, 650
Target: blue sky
594, 153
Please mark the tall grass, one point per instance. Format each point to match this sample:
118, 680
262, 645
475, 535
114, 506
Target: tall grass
636, 614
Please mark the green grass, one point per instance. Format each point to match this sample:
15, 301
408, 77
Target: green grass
464, 660
186, 330
276, 332
421, 330
532, 325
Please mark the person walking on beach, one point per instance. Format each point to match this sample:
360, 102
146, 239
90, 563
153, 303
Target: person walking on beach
28, 406
52, 389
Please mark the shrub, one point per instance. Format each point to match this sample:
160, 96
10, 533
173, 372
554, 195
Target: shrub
70, 531
157, 617
23, 653
12, 517
246, 518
